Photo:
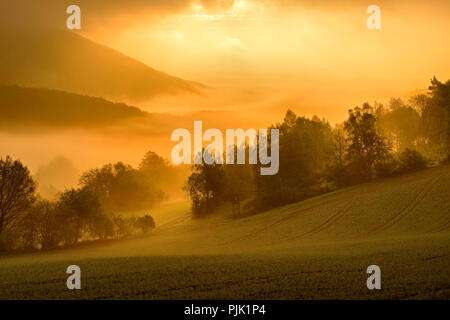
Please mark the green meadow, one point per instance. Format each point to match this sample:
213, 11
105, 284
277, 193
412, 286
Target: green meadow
314, 249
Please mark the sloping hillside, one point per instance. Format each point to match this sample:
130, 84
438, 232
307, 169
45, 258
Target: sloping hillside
63, 60
412, 205
318, 248
35, 106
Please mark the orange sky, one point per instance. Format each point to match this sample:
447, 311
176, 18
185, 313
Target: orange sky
258, 57
315, 57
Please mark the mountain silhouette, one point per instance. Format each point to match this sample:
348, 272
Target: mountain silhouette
44, 107
64, 60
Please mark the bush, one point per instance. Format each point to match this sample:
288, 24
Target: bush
145, 223
124, 226
9, 240
411, 160
386, 168
102, 226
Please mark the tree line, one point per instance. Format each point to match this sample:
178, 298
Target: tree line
99, 208
375, 141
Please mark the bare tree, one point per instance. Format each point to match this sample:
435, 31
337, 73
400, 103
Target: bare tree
17, 191
339, 145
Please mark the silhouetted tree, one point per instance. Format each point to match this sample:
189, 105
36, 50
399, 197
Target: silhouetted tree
436, 115
305, 152
336, 172
366, 145
79, 208
121, 188
238, 185
163, 175
157, 168
102, 225
402, 123
145, 223
205, 188
41, 226
17, 191
124, 226
411, 160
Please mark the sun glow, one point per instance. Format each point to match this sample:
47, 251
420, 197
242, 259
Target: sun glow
240, 10
260, 47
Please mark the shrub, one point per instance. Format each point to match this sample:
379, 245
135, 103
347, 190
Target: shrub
386, 168
411, 160
145, 223
9, 240
102, 226
124, 226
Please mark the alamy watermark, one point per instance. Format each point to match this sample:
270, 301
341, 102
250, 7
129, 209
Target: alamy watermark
74, 20
374, 281
214, 152
74, 280
374, 20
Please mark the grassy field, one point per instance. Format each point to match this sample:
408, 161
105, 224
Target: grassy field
314, 249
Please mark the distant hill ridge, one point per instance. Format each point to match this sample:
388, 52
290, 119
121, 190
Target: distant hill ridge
64, 60
40, 106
